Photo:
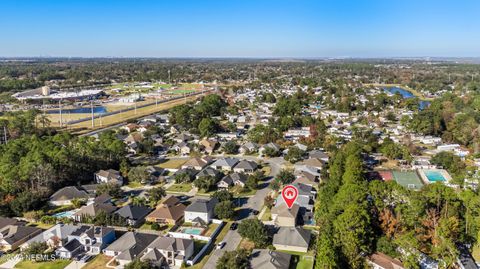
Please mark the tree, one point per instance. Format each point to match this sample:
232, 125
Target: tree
275, 184
285, 176
225, 210
182, 177
269, 201
205, 183
230, 147
294, 154
111, 189
35, 248
271, 152
208, 127
223, 195
352, 231
138, 174
156, 194
237, 259
77, 203
255, 231
251, 182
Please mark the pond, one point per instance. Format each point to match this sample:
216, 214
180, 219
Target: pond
407, 94
80, 110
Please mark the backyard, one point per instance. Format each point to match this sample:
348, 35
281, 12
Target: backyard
99, 262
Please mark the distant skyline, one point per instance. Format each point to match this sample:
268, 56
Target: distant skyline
240, 28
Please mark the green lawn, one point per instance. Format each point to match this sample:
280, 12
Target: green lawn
57, 264
301, 260
242, 192
184, 187
267, 215
305, 262
134, 184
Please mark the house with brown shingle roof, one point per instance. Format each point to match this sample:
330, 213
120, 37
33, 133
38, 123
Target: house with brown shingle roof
170, 211
197, 163
208, 145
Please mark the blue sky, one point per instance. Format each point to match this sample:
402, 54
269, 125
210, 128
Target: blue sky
240, 28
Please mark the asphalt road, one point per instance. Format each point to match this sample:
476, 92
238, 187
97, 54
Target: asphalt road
232, 238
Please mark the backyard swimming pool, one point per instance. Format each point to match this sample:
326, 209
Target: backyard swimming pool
66, 214
189, 230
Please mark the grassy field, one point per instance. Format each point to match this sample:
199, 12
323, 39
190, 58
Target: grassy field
98, 262
180, 188
172, 163
57, 264
83, 127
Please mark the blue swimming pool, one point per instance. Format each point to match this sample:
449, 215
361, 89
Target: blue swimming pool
66, 214
434, 176
195, 231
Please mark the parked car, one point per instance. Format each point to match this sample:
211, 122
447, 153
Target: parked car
86, 258
233, 226
221, 245
78, 257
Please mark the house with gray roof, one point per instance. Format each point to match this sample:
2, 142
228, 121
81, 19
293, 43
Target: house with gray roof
12, 236
134, 214
200, 211
108, 176
225, 164
209, 171
268, 259
93, 209
89, 239
245, 166
292, 239
129, 246
55, 237
319, 155
237, 179
64, 196
169, 250
248, 147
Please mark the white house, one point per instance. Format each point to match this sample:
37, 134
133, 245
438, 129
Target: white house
200, 211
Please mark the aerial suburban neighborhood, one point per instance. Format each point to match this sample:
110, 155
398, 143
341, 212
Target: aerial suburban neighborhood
240, 134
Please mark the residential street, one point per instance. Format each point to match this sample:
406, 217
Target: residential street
232, 238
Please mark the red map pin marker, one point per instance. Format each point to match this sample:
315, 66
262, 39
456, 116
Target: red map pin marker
289, 195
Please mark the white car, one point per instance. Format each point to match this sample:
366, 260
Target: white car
221, 244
